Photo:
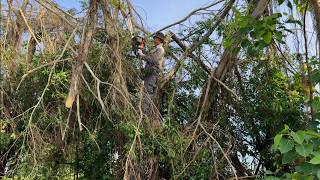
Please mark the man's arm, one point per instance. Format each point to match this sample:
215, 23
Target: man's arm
152, 57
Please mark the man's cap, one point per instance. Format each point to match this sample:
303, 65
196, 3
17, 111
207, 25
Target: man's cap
159, 35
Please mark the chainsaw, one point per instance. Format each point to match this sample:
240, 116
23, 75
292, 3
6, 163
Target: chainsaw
137, 43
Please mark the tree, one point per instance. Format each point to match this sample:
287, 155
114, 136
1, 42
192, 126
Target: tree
234, 79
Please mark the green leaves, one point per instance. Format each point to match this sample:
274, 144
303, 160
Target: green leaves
277, 140
294, 21
289, 4
304, 149
301, 147
227, 43
271, 178
315, 103
289, 157
267, 37
254, 34
285, 145
298, 137
315, 76
315, 160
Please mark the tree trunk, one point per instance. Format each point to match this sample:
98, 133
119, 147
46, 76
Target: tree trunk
316, 8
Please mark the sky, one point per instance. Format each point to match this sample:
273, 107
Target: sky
156, 14
159, 13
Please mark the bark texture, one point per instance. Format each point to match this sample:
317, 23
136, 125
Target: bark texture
84, 52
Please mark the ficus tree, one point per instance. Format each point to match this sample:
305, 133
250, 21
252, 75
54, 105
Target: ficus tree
71, 92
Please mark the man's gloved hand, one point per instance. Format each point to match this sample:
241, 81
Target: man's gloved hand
140, 53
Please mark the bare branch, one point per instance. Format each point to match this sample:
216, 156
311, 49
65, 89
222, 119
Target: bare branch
191, 14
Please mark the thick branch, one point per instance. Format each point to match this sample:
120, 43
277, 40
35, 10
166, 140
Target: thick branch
83, 55
191, 55
316, 7
225, 65
188, 51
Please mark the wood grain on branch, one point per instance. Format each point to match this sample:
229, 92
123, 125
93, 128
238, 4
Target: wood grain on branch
83, 54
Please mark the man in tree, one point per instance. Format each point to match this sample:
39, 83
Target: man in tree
152, 71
